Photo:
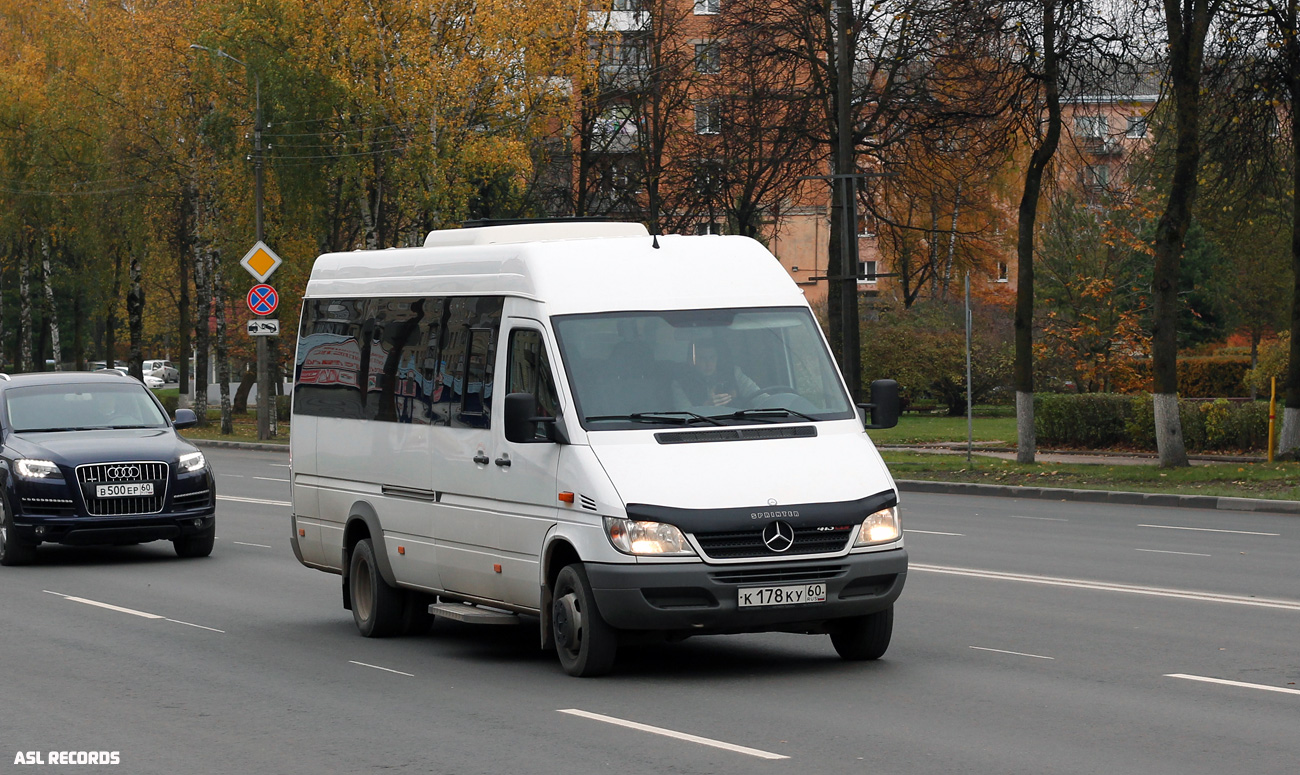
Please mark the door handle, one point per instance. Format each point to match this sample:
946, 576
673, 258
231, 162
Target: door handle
481, 459
503, 461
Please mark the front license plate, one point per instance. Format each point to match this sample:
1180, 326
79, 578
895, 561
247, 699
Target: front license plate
754, 597
123, 490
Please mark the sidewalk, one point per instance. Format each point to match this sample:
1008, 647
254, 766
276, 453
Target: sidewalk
1093, 457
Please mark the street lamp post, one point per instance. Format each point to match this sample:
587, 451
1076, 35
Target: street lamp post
264, 428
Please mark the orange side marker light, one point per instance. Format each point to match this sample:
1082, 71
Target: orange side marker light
566, 497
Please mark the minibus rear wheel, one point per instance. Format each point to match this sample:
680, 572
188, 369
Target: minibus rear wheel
585, 643
864, 637
376, 607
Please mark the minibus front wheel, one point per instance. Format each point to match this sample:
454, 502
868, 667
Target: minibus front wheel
863, 637
585, 643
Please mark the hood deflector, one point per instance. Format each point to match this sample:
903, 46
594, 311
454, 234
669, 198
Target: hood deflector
797, 514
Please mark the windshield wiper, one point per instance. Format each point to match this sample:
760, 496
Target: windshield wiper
52, 430
669, 416
772, 412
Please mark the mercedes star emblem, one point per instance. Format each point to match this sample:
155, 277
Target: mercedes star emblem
778, 536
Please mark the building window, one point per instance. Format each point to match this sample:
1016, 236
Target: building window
1095, 177
708, 60
1091, 126
626, 5
622, 55
709, 227
1137, 127
706, 7
708, 117
1002, 271
868, 271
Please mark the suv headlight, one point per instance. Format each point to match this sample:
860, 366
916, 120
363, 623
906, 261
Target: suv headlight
37, 469
632, 537
192, 461
880, 528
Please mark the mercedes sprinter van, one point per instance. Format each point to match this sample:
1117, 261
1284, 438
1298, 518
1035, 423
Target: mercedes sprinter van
622, 437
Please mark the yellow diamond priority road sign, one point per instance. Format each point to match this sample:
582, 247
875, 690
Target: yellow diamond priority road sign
261, 262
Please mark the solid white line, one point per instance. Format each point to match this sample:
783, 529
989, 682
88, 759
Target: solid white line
670, 733
1042, 519
191, 624
1017, 653
117, 608
931, 532
385, 669
1105, 586
264, 546
232, 476
1261, 687
1165, 551
253, 500
279, 465
1211, 530
270, 479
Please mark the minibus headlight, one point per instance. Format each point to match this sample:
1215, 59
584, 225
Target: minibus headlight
634, 537
880, 528
37, 469
192, 461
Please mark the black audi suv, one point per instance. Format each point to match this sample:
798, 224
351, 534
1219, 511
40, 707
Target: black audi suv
92, 459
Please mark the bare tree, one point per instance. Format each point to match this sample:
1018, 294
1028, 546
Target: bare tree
1186, 25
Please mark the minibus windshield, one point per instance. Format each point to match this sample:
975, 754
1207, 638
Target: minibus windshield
699, 367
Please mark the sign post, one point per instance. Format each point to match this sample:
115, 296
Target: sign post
261, 262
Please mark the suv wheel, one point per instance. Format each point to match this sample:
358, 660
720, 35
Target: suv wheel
199, 545
13, 550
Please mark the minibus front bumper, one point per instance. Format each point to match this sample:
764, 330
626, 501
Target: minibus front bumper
697, 598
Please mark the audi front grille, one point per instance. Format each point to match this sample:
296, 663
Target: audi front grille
89, 476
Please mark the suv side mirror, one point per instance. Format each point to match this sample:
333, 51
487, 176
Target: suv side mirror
185, 418
521, 421
884, 404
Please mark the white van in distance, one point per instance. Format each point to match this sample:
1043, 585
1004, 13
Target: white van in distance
621, 436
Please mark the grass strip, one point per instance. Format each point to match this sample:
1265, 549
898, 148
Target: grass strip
1278, 481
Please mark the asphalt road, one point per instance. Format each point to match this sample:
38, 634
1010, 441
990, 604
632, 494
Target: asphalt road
1033, 637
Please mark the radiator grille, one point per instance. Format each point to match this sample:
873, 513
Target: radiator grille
89, 476
749, 543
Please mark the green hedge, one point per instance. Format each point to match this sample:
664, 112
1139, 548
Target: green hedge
1105, 420
1212, 377
1085, 420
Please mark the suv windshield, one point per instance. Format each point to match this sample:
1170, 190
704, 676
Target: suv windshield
71, 407
699, 367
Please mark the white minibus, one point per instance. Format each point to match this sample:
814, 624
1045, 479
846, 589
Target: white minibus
622, 437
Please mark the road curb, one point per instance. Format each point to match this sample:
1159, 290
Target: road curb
1103, 496
253, 445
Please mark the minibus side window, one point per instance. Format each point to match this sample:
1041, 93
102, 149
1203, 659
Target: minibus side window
328, 374
530, 372
471, 333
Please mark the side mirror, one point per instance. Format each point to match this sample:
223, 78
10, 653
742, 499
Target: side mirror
521, 421
884, 404
185, 418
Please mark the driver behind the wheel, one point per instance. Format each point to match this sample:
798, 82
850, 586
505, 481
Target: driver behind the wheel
710, 384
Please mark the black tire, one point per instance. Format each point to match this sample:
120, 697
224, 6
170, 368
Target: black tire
199, 545
864, 637
585, 643
376, 607
13, 550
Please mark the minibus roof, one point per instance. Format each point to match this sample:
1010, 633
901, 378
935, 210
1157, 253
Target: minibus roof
568, 273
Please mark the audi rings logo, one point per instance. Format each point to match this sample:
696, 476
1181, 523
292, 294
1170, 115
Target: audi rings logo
778, 536
122, 472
